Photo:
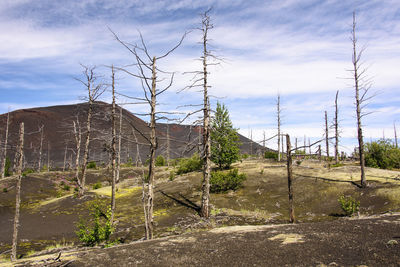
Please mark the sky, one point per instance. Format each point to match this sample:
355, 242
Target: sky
300, 49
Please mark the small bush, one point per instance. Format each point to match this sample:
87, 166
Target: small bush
98, 229
337, 165
245, 156
222, 181
66, 187
91, 165
28, 171
382, 154
171, 175
349, 205
298, 162
5, 190
7, 171
189, 164
44, 168
160, 161
97, 186
271, 155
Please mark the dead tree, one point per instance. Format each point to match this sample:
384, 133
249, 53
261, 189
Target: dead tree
3, 164
65, 156
48, 156
290, 178
78, 141
40, 148
94, 90
147, 74
113, 146
168, 145
361, 85
326, 135
278, 114
336, 126
395, 134
20, 156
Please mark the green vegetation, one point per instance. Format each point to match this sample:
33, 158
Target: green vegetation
186, 165
98, 229
222, 181
271, 155
171, 175
349, 205
160, 161
224, 139
97, 185
91, 165
382, 154
27, 171
7, 171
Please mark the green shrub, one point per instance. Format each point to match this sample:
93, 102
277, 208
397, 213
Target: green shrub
5, 190
98, 229
382, 154
222, 181
28, 171
271, 155
7, 171
189, 164
97, 185
44, 168
349, 205
245, 156
91, 165
66, 187
171, 175
160, 161
298, 162
337, 165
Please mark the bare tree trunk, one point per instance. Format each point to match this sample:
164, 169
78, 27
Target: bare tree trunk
251, 142
278, 113
168, 144
205, 199
78, 141
3, 163
119, 145
40, 149
295, 147
305, 145
326, 136
355, 60
395, 134
153, 147
319, 153
65, 157
18, 192
290, 175
137, 158
309, 147
336, 129
113, 147
48, 156
86, 150
283, 150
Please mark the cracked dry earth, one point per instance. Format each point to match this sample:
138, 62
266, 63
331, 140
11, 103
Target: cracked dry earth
368, 241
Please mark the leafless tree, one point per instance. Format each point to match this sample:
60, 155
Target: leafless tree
20, 157
113, 146
94, 90
395, 134
336, 126
290, 178
41, 129
48, 156
78, 142
3, 163
278, 115
361, 85
326, 135
147, 74
65, 156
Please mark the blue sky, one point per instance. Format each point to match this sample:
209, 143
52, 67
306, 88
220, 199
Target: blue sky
299, 48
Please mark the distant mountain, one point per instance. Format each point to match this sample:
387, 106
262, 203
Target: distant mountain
59, 141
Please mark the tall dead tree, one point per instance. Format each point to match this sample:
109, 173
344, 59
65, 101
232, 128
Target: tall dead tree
3, 163
168, 145
48, 156
78, 141
65, 156
290, 178
395, 134
361, 86
94, 91
336, 126
326, 135
40, 148
20, 157
278, 114
147, 72
113, 146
